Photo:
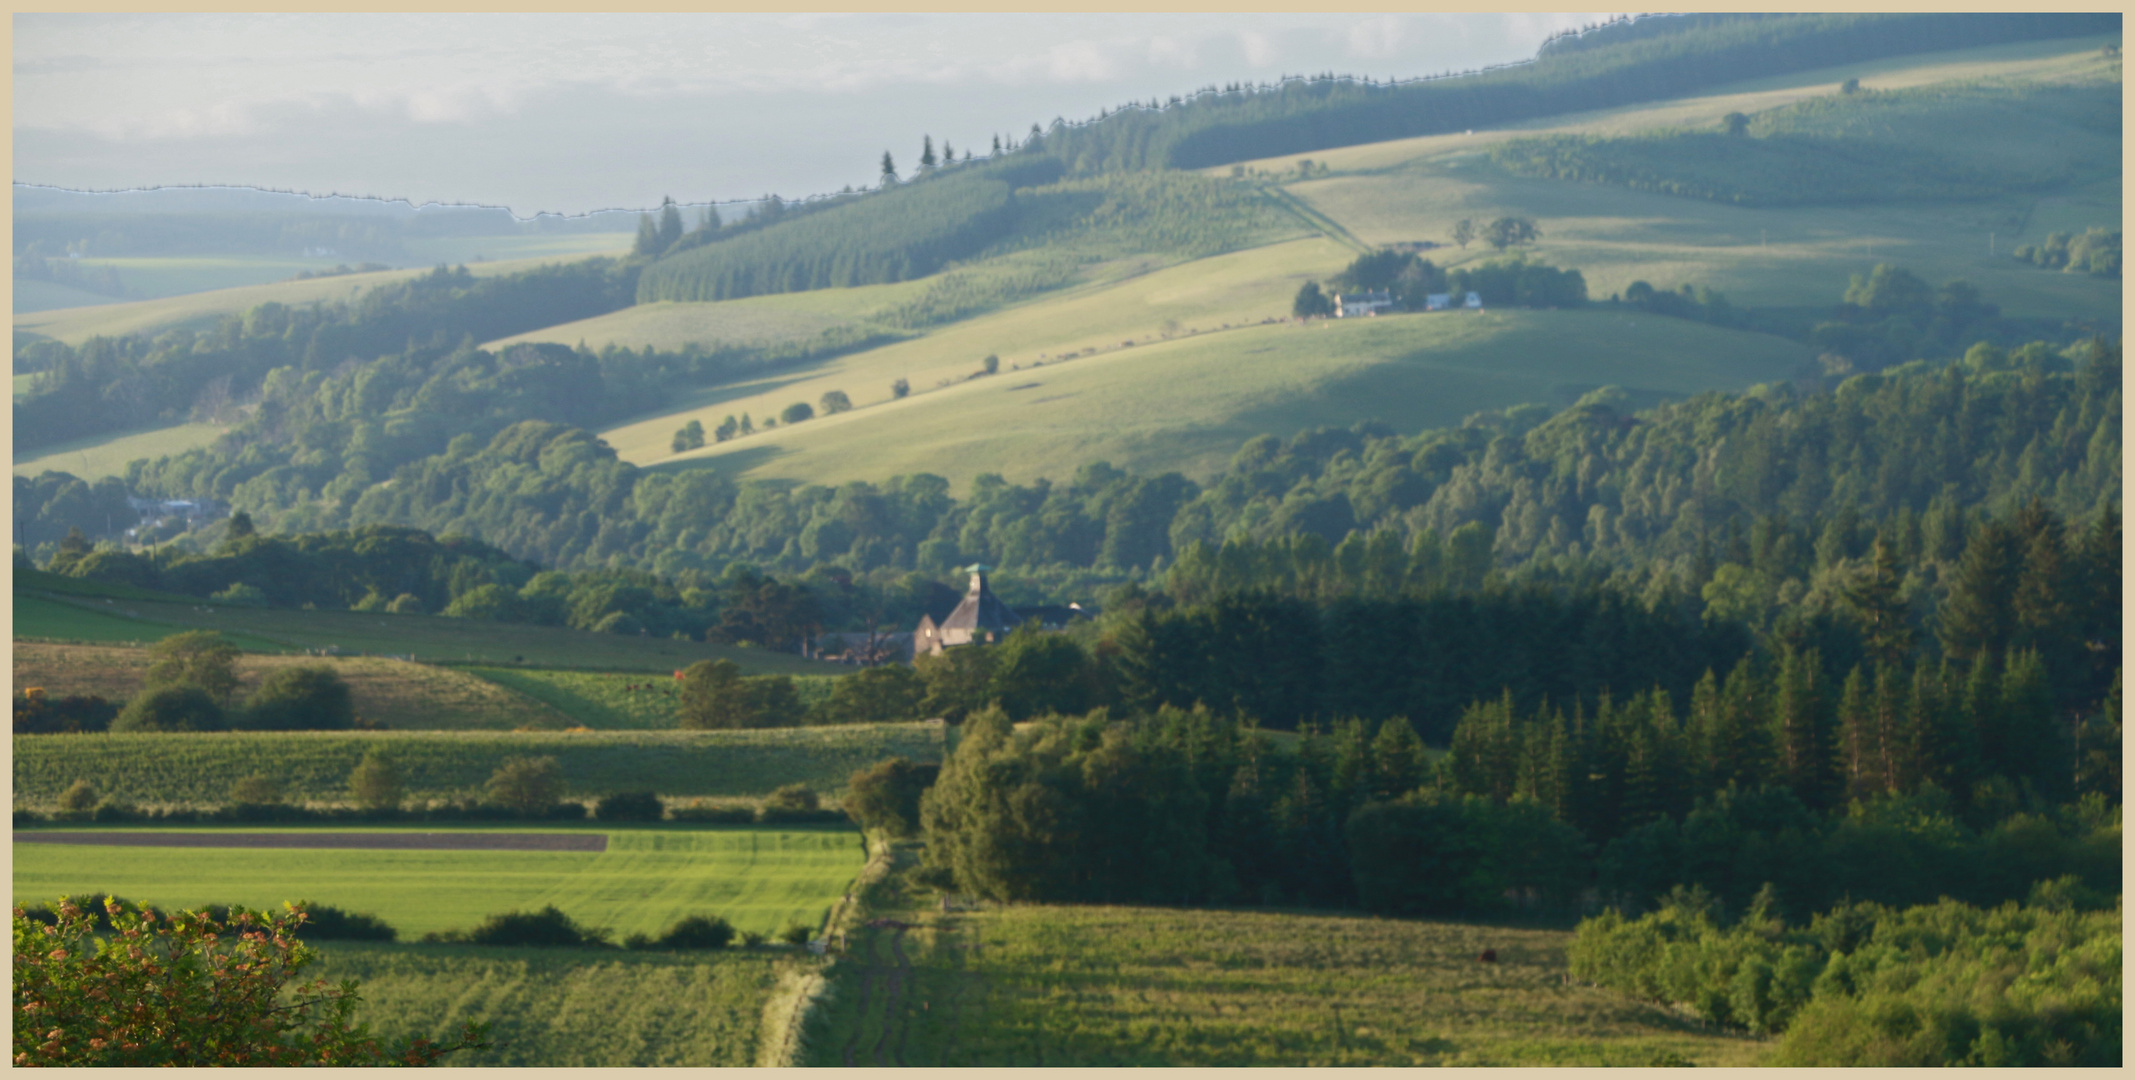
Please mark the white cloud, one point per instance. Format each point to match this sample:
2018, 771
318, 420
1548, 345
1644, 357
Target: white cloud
1079, 61
1258, 48
1375, 37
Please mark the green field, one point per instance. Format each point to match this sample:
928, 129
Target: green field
759, 879
1189, 402
390, 693
200, 769
201, 309
1416, 189
426, 637
38, 617
784, 318
616, 701
1053, 985
564, 1008
94, 458
47, 295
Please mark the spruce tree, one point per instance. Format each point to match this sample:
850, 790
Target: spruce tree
1707, 736
2034, 742
1797, 725
1978, 618
1399, 761
926, 153
1856, 737
1873, 593
889, 170
648, 241
1891, 732
670, 229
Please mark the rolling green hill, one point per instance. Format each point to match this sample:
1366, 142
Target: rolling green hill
197, 310
97, 457
1188, 402
1416, 189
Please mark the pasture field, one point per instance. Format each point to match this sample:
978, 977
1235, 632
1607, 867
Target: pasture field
1138, 299
779, 319
39, 617
759, 879
1416, 189
158, 277
1188, 403
617, 701
100, 456
199, 769
393, 693
46, 295
425, 637
475, 251
562, 1008
201, 309
1053, 985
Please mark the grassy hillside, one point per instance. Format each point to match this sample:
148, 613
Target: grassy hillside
200, 309
557, 1008
426, 637
758, 878
199, 769
780, 319
1416, 189
1187, 403
610, 701
94, 458
392, 693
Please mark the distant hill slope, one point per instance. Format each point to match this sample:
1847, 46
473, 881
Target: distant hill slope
1664, 58
1187, 403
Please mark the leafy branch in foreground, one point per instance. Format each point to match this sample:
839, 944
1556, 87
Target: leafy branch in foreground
187, 989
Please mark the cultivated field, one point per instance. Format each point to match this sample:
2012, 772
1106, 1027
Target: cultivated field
759, 879
425, 637
393, 693
1188, 403
1048, 985
1416, 189
201, 309
611, 701
95, 458
562, 1008
779, 319
200, 769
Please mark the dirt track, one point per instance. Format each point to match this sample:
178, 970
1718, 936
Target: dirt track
426, 841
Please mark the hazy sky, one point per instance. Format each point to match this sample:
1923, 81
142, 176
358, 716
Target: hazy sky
569, 113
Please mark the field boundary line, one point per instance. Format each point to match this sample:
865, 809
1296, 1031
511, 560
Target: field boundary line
785, 1029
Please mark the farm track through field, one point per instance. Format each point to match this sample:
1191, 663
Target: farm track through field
867, 986
435, 841
899, 977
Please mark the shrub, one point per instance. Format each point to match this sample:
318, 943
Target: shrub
793, 797
529, 786
201, 658
795, 413
241, 595
37, 713
885, 796
715, 815
179, 707
79, 798
306, 698
376, 783
691, 932
796, 933
900, 388
323, 922
547, 928
629, 806
257, 790
835, 402
227, 989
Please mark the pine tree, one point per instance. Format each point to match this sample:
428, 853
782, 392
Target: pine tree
1890, 730
1978, 619
670, 229
2033, 740
1797, 725
648, 241
889, 170
1873, 593
996, 146
1979, 710
1856, 737
926, 153
1745, 750
1706, 736
1399, 761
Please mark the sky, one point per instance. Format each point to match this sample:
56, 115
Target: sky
573, 113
